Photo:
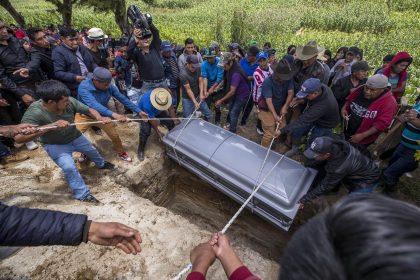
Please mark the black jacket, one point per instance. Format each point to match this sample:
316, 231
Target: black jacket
66, 65
41, 58
342, 87
150, 65
34, 227
12, 58
322, 112
348, 165
317, 70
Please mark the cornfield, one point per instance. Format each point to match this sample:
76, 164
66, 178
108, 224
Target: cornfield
377, 27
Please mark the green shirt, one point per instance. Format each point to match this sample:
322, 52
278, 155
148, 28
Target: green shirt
37, 114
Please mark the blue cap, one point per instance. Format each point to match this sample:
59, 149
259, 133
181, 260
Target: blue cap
320, 146
262, 54
166, 46
309, 86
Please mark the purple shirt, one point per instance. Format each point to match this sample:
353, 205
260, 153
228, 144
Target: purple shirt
241, 84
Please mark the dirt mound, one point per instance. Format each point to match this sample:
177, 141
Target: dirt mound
173, 210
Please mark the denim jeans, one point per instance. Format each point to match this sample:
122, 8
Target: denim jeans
62, 156
4, 151
188, 107
402, 161
134, 94
235, 109
316, 131
367, 189
147, 86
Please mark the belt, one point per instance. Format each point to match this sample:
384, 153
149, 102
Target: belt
154, 81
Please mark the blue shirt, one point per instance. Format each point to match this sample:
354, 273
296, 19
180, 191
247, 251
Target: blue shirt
212, 72
411, 134
98, 100
146, 106
248, 69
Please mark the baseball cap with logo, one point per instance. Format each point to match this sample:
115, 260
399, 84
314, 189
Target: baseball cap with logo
309, 86
262, 55
193, 60
210, 52
225, 59
320, 146
166, 46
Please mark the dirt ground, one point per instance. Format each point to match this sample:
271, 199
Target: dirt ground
173, 210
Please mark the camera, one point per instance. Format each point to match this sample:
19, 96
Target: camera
139, 21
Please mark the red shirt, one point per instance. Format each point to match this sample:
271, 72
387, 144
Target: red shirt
242, 273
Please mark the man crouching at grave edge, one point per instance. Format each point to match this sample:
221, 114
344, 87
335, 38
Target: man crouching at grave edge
155, 104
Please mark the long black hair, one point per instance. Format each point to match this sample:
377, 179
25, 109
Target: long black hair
235, 68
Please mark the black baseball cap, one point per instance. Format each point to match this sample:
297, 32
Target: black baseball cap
320, 146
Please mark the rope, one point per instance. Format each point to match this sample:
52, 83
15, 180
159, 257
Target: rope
263, 164
189, 266
182, 130
101, 122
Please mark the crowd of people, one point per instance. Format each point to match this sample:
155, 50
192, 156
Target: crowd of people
51, 79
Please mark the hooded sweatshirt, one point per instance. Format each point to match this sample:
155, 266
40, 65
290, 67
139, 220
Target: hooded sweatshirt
397, 58
379, 113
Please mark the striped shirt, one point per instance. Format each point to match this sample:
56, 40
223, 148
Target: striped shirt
259, 77
411, 134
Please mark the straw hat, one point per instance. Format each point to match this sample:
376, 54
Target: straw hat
96, 34
161, 99
308, 51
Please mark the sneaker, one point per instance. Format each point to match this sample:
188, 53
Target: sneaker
17, 145
97, 130
259, 131
83, 158
226, 126
15, 158
108, 166
90, 198
125, 156
409, 175
31, 145
140, 155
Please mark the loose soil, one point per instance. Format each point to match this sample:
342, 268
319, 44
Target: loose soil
172, 208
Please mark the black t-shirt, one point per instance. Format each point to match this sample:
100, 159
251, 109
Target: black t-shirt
357, 112
100, 57
192, 79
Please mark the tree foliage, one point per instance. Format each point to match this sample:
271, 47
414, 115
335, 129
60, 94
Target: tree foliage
13, 12
65, 8
117, 7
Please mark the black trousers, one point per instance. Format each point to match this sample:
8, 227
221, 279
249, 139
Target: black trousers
247, 110
146, 129
10, 115
217, 110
